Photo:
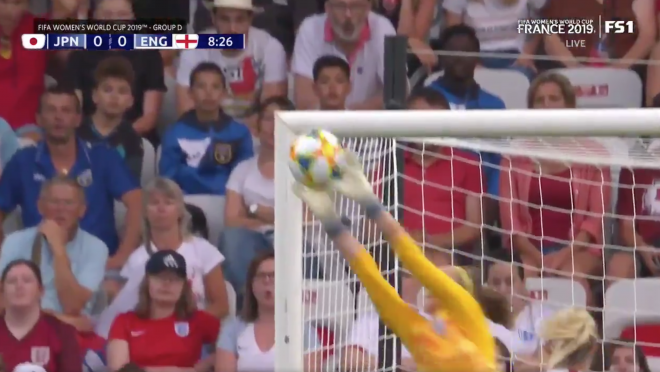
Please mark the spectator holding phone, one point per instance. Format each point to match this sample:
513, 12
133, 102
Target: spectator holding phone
203, 148
27, 332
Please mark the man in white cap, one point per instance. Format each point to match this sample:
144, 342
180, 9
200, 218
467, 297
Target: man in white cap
252, 74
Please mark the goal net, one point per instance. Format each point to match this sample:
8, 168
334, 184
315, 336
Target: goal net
316, 290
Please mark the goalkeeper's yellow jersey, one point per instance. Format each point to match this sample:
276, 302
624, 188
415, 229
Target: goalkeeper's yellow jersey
465, 343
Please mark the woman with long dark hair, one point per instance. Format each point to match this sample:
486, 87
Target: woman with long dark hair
166, 329
27, 334
625, 356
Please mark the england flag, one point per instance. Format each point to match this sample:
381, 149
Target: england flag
185, 41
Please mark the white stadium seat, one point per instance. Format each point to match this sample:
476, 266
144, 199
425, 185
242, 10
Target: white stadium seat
214, 209
510, 85
329, 304
629, 302
558, 292
605, 87
148, 163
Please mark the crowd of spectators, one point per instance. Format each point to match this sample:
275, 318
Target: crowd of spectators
143, 180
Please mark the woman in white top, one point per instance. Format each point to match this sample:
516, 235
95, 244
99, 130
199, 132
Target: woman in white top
496, 24
166, 225
250, 198
527, 314
247, 343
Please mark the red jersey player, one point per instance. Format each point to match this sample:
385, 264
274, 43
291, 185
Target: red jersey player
165, 329
28, 335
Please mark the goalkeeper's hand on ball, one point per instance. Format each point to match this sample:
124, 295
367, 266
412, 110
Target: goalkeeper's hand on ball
353, 183
318, 201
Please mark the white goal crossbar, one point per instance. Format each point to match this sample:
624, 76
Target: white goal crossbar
417, 125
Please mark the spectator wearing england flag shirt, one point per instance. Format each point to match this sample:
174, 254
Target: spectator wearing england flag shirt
166, 329
247, 342
148, 87
26, 332
22, 71
251, 75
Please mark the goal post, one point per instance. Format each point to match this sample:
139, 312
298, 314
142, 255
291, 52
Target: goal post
504, 131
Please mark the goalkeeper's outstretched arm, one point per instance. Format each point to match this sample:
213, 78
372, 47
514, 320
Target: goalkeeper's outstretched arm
393, 311
461, 306
458, 303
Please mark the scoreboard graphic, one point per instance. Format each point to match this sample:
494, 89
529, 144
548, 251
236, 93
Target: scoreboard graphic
85, 35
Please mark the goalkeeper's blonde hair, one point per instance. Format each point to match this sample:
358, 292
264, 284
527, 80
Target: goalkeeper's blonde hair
569, 337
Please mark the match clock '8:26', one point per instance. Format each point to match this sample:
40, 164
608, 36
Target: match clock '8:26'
220, 41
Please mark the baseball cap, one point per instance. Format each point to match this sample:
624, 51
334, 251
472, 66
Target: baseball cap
167, 260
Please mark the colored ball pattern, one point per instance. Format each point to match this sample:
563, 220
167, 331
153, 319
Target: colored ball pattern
316, 158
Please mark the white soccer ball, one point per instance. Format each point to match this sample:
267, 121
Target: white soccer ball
29, 367
316, 158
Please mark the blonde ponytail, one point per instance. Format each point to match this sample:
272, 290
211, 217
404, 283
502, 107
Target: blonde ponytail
569, 337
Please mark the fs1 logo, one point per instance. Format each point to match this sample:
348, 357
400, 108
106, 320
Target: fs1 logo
619, 27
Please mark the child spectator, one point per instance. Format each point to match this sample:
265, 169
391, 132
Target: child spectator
112, 96
200, 151
149, 85
332, 82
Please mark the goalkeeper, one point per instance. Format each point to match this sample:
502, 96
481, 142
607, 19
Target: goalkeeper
459, 340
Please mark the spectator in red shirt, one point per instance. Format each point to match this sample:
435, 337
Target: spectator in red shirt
638, 206
22, 71
552, 212
166, 329
447, 184
28, 335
